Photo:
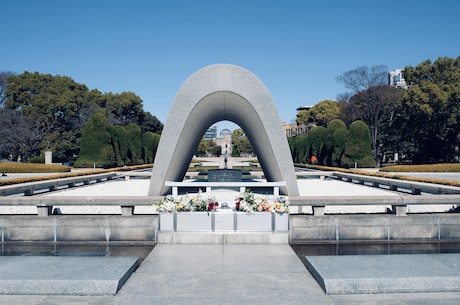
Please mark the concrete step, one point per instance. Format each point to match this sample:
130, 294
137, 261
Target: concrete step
399, 273
64, 275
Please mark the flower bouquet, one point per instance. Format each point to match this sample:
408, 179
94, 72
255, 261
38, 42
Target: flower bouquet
186, 203
248, 202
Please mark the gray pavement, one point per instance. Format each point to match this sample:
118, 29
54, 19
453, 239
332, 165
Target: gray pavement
59, 275
354, 274
228, 274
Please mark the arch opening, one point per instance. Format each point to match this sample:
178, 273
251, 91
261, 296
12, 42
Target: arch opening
213, 94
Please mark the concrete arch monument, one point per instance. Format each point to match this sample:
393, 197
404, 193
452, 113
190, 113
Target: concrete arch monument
217, 93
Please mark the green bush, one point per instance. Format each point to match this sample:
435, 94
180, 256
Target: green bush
105, 145
301, 146
120, 144
96, 147
358, 149
37, 159
317, 137
134, 144
150, 142
334, 145
340, 138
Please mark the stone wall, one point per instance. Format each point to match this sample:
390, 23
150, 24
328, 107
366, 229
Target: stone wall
308, 228
303, 228
79, 228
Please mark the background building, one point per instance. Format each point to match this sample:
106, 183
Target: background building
225, 141
396, 78
293, 129
211, 133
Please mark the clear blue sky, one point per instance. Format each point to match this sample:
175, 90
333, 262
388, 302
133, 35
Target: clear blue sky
297, 48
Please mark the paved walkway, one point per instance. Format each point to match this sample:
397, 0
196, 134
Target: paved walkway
228, 274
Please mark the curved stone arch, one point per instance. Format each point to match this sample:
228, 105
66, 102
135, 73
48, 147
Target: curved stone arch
217, 93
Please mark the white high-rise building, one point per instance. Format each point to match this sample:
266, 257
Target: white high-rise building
211, 133
396, 78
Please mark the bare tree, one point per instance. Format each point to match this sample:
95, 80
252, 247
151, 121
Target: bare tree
3, 81
373, 106
21, 135
343, 97
372, 99
363, 78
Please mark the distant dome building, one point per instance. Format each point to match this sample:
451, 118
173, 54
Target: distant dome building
225, 141
225, 131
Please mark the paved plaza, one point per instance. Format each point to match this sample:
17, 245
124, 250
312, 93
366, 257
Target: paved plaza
240, 274
230, 274
307, 188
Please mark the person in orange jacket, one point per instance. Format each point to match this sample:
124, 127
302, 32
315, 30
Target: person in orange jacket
314, 160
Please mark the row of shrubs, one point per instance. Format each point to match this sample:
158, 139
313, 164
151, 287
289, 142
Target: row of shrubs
16, 167
389, 174
23, 166
105, 145
441, 167
334, 145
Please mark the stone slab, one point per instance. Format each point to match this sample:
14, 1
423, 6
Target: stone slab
224, 175
64, 275
400, 273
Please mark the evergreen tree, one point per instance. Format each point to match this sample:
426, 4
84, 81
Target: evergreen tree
96, 144
358, 149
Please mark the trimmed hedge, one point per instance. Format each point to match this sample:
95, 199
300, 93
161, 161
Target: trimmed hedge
334, 145
105, 145
72, 174
383, 175
443, 167
14, 167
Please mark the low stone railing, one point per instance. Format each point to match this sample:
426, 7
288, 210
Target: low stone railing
127, 204
321, 174
45, 205
398, 203
416, 188
209, 185
31, 188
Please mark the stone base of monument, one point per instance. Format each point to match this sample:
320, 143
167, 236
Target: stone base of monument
64, 275
400, 273
223, 227
223, 238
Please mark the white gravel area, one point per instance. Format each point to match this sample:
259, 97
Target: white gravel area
139, 187
307, 188
132, 187
327, 187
